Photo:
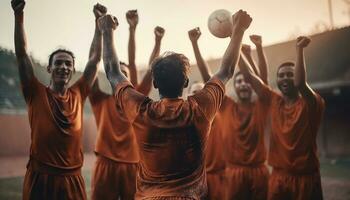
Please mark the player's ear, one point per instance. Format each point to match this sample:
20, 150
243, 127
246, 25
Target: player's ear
49, 69
186, 83
155, 84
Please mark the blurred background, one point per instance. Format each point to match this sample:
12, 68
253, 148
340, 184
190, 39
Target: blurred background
51, 24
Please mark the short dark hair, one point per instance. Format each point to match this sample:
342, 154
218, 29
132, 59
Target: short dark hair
170, 73
285, 64
61, 51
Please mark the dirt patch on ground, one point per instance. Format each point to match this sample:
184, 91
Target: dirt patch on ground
334, 188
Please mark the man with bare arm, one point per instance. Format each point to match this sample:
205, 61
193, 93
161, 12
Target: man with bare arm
236, 141
215, 160
262, 70
55, 115
171, 133
296, 116
116, 149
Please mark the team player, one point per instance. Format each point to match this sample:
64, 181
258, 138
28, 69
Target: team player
236, 150
55, 116
296, 114
172, 132
116, 149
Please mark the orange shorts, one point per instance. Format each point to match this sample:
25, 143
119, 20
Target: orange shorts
113, 180
245, 182
43, 182
216, 185
284, 185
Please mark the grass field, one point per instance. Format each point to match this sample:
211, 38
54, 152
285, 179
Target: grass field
335, 182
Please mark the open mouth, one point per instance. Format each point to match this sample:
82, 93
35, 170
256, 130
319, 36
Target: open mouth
284, 86
244, 90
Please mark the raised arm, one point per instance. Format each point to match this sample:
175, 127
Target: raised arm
256, 39
146, 83
95, 53
241, 21
95, 88
250, 76
300, 72
107, 25
194, 35
133, 19
247, 52
25, 66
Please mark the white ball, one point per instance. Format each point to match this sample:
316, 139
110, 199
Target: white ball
220, 23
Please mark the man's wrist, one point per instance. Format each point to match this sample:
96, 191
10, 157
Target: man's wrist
132, 28
194, 42
158, 40
237, 31
108, 31
19, 16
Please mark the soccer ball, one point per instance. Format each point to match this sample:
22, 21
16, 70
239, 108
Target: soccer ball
220, 23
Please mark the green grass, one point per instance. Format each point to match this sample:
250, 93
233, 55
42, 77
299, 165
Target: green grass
11, 188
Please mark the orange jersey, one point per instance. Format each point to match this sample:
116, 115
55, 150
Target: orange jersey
293, 133
171, 135
215, 157
115, 139
56, 123
244, 131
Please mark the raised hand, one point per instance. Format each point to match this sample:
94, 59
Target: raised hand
246, 49
18, 6
256, 39
303, 41
107, 22
99, 10
241, 20
133, 18
159, 32
194, 34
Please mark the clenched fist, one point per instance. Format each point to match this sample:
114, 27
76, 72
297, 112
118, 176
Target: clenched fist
133, 18
241, 20
18, 6
99, 10
194, 34
246, 49
159, 32
303, 41
107, 22
256, 39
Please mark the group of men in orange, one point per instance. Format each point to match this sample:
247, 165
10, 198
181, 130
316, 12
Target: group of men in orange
207, 146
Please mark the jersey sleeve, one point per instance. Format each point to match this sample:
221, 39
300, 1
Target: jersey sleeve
209, 98
128, 100
83, 86
31, 89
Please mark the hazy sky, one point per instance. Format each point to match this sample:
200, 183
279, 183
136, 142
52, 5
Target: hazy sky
50, 24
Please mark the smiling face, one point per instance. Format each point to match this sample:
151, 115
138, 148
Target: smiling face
61, 68
285, 80
243, 89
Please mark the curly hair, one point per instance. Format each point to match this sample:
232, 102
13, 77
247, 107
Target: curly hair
170, 74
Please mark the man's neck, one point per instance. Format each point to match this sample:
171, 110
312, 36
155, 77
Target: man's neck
244, 102
58, 88
290, 99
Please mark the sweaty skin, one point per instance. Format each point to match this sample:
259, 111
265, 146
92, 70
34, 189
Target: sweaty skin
55, 116
116, 148
173, 131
